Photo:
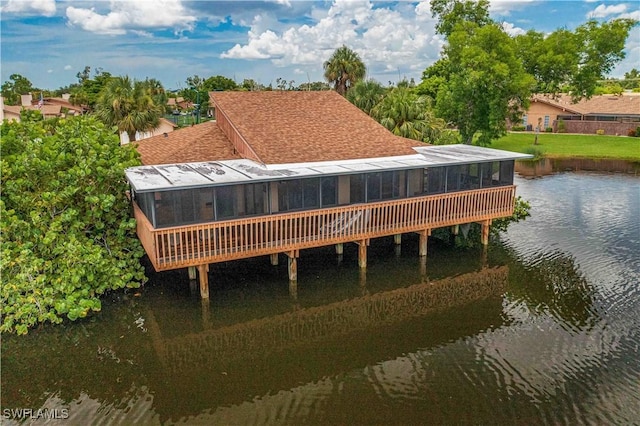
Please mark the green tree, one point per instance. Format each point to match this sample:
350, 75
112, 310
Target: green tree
344, 69
67, 233
408, 115
631, 79
87, 91
219, 82
314, 85
251, 85
451, 13
481, 82
128, 105
574, 61
14, 87
366, 94
156, 90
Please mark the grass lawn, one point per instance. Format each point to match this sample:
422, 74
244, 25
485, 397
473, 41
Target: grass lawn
577, 146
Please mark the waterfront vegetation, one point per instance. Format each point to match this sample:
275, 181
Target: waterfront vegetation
67, 232
553, 145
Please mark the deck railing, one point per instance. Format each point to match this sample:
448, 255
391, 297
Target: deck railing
190, 245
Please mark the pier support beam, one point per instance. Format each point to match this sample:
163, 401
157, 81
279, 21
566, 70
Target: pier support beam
203, 272
397, 239
192, 273
455, 229
339, 248
486, 224
292, 264
362, 253
424, 236
274, 259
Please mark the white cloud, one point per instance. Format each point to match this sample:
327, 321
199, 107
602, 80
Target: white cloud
603, 11
512, 30
41, 7
401, 37
134, 16
67, 67
503, 8
49, 71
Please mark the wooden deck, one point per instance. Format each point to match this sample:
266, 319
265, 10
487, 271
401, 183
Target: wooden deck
193, 245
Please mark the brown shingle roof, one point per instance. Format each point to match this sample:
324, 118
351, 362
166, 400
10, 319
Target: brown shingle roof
597, 105
297, 127
202, 142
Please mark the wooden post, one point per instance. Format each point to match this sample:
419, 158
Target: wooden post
293, 290
339, 248
203, 271
292, 264
455, 229
397, 239
485, 232
363, 282
206, 313
362, 253
423, 268
274, 259
192, 273
424, 236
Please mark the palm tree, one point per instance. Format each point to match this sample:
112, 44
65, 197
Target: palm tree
408, 115
344, 69
366, 94
128, 105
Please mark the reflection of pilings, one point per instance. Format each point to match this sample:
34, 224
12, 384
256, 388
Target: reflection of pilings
248, 339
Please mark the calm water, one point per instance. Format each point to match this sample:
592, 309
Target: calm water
543, 328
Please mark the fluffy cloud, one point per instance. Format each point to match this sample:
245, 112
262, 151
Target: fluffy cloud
402, 37
603, 11
512, 30
133, 16
40, 7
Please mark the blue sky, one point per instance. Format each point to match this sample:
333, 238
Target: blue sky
49, 41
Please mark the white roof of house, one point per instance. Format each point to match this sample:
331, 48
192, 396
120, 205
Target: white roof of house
214, 173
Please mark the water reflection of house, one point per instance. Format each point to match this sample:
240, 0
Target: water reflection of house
234, 355
613, 114
284, 171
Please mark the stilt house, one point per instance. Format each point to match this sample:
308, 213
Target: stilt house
283, 171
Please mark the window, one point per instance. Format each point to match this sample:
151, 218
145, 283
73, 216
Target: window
434, 180
487, 173
546, 121
204, 202
506, 172
454, 178
357, 188
383, 186
311, 193
255, 198
226, 205
524, 120
329, 191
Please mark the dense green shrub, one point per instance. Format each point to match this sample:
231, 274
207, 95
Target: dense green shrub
549, 129
562, 128
517, 128
67, 232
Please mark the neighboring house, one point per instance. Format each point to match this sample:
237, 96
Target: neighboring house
50, 108
165, 126
279, 172
612, 114
179, 104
